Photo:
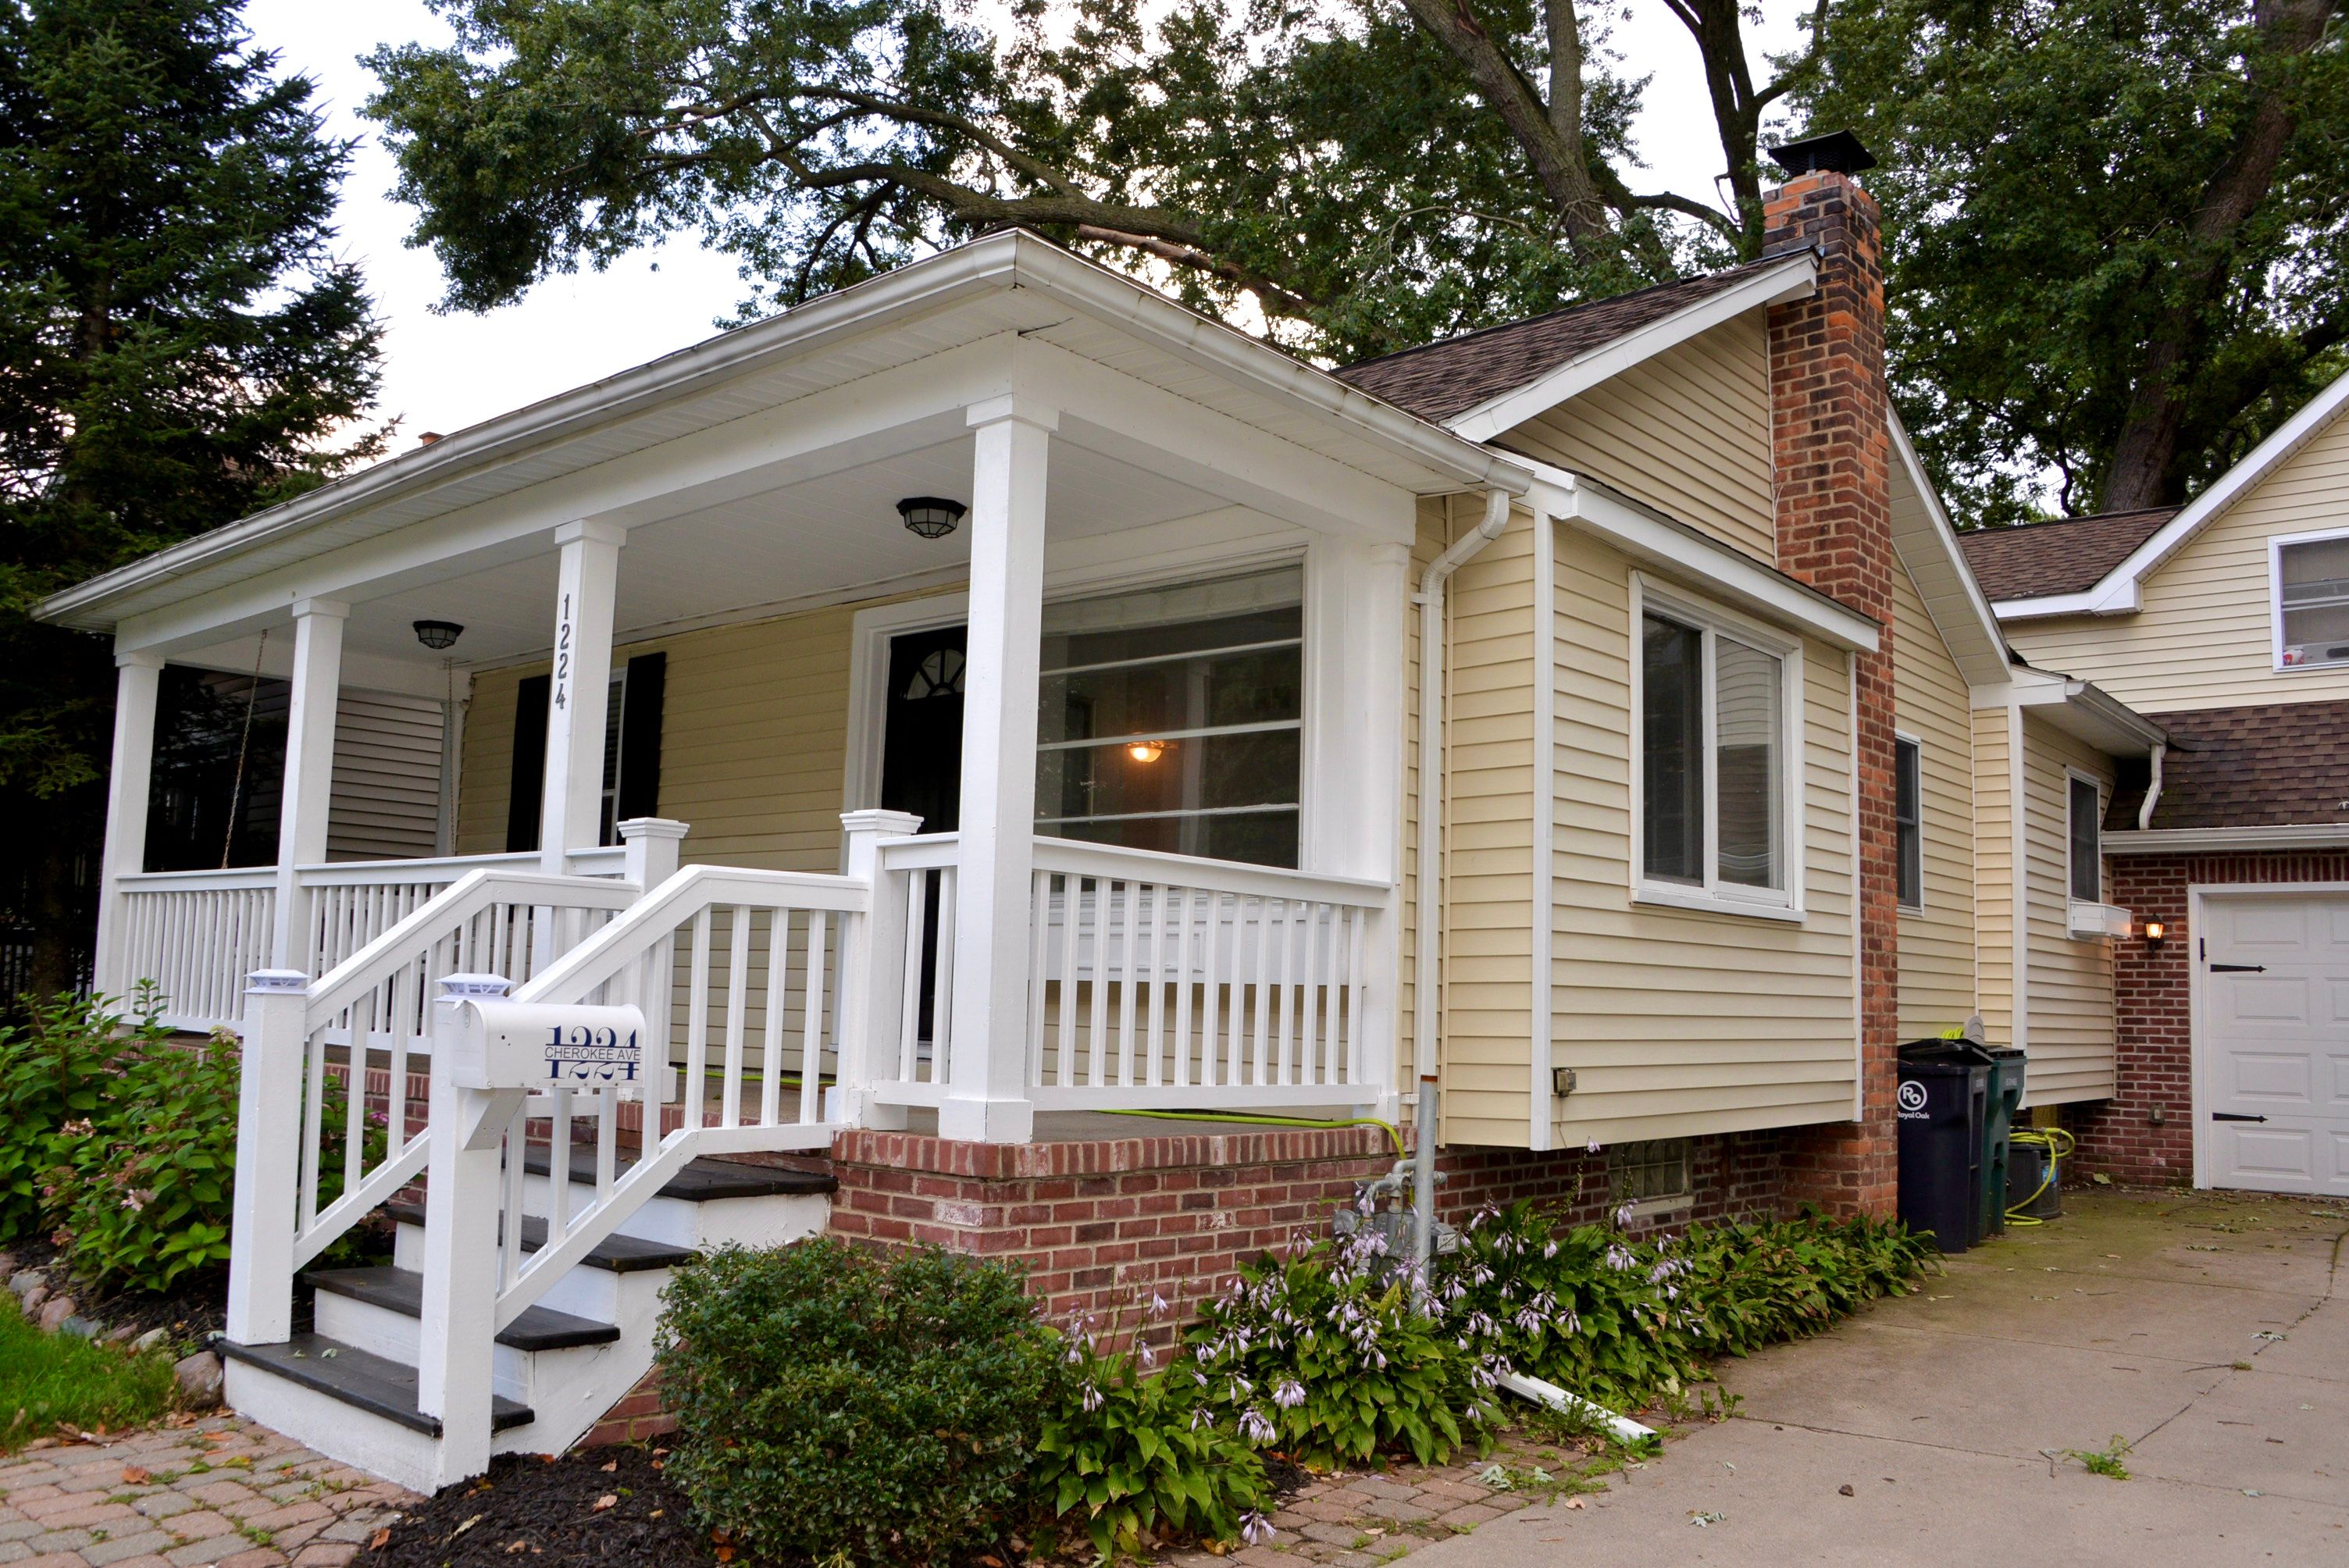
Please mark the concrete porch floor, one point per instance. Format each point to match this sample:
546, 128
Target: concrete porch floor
2212, 1333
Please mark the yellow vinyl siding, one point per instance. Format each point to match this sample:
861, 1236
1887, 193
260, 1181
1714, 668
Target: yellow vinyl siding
1680, 1022
1933, 705
1488, 839
1688, 432
1993, 872
2205, 635
2070, 987
754, 736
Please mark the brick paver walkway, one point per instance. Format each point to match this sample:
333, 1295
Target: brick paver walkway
221, 1490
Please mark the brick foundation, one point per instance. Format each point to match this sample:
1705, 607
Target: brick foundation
2143, 1136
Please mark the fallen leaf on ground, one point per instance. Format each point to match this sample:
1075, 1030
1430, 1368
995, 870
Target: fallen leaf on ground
1574, 1502
380, 1540
136, 1475
610, 1468
608, 1501
466, 1525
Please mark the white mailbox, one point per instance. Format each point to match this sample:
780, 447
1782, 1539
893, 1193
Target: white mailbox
549, 1046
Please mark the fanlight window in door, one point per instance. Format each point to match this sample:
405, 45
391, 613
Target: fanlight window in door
1172, 719
938, 674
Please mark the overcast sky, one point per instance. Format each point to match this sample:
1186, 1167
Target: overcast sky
445, 372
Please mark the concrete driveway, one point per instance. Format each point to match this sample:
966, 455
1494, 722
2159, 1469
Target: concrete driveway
2212, 1333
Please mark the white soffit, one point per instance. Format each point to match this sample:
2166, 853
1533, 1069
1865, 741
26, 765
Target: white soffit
1929, 550
2122, 591
1795, 278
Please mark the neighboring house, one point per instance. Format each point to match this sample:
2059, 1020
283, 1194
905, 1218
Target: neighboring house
2227, 622
1066, 705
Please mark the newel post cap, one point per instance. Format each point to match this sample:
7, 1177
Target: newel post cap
275, 982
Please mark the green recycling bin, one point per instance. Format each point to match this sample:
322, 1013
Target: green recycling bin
2006, 1069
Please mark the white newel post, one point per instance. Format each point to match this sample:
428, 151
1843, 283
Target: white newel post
571, 809
269, 1150
873, 950
309, 771
655, 845
987, 1098
137, 681
458, 1320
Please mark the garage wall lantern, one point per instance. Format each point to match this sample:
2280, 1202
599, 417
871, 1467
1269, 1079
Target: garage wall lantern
2155, 933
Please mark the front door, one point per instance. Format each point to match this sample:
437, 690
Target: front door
921, 763
2273, 1042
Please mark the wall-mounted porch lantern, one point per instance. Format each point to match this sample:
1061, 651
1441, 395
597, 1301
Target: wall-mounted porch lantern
931, 516
2155, 934
439, 635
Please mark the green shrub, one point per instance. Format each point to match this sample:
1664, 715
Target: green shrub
52, 1071
1750, 1283
829, 1401
1323, 1354
1128, 1450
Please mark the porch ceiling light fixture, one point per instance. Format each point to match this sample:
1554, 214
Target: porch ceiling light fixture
1148, 750
439, 635
931, 516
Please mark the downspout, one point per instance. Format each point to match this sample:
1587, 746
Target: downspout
1431, 853
2152, 787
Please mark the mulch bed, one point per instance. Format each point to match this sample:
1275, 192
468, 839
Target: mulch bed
531, 1506
197, 1308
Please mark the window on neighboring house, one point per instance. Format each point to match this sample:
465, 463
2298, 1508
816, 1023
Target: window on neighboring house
2087, 822
2312, 601
1172, 719
1909, 820
1713, 768
1650, 1172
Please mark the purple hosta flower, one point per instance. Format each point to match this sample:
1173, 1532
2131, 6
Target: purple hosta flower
1288, 1393
1620, 1257
1593, 1146
1623, 1216
1256, 1427
1199, 1418
1143, 1354
1574, 1323
1157, 1306
1092, 1399
1256, 1528
1529, 1320
1482, 1327
1238, 1390
1550, 1251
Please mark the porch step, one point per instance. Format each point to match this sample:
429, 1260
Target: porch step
402, 1291
703, 1181
615, 1254
365, 1382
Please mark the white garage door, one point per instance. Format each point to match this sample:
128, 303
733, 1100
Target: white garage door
2273, 1042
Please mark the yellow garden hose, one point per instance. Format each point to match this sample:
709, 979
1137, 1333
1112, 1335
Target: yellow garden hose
2059, 1145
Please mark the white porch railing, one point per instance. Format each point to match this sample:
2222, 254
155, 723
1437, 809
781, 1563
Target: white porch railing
1155, 980
198, 935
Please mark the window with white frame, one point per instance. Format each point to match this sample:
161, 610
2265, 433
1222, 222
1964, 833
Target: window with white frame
1908, 819
1715, 701
2086, 841
2311, 590
1172, 719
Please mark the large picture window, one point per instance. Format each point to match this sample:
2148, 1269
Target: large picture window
2312, 587
1172, 719
1713, 769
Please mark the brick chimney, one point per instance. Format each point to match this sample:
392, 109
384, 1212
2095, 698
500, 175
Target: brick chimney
1832, 470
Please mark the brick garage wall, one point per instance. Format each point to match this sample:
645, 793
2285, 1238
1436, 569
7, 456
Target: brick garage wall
2143, 1135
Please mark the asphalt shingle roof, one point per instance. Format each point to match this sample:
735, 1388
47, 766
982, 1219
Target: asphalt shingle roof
2269, 766
1441, 380
2068, 556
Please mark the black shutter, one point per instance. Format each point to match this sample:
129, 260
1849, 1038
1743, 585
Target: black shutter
529, 763
640, 738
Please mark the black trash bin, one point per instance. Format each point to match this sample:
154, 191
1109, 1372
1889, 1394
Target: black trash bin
1942, 1098
2007, 1066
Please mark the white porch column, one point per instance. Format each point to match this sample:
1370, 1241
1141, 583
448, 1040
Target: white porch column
309, 770
571, 809
138, 680
987, 1097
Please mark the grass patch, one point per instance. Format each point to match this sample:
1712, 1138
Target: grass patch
46, 1379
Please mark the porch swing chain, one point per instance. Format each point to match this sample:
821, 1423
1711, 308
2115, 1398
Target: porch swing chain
244, 748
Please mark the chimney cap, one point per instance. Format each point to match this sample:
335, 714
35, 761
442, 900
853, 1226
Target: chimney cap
1834, 151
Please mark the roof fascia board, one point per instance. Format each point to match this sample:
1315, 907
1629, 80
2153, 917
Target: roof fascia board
2121, 599
2117, 594
2079, 708
1981, 624
1650, 537
1796, 278
2265, 836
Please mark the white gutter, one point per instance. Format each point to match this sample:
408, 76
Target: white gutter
2247, 839
1431, 862
2152, 786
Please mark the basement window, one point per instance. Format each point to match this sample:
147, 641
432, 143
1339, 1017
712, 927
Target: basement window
1651, 1175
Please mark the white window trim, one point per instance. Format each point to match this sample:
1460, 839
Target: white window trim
2276, 545
871, 631
1902, 736
1714, 897
2091, 781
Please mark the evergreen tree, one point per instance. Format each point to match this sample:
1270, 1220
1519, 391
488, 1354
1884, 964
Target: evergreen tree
179, 345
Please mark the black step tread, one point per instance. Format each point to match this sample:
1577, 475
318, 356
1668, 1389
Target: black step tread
362, 1380
402, 1291
614, 1255
702, 1180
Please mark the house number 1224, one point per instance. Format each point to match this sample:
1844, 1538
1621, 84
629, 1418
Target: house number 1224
562, 655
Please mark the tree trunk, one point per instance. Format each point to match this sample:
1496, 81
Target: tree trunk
55, 908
